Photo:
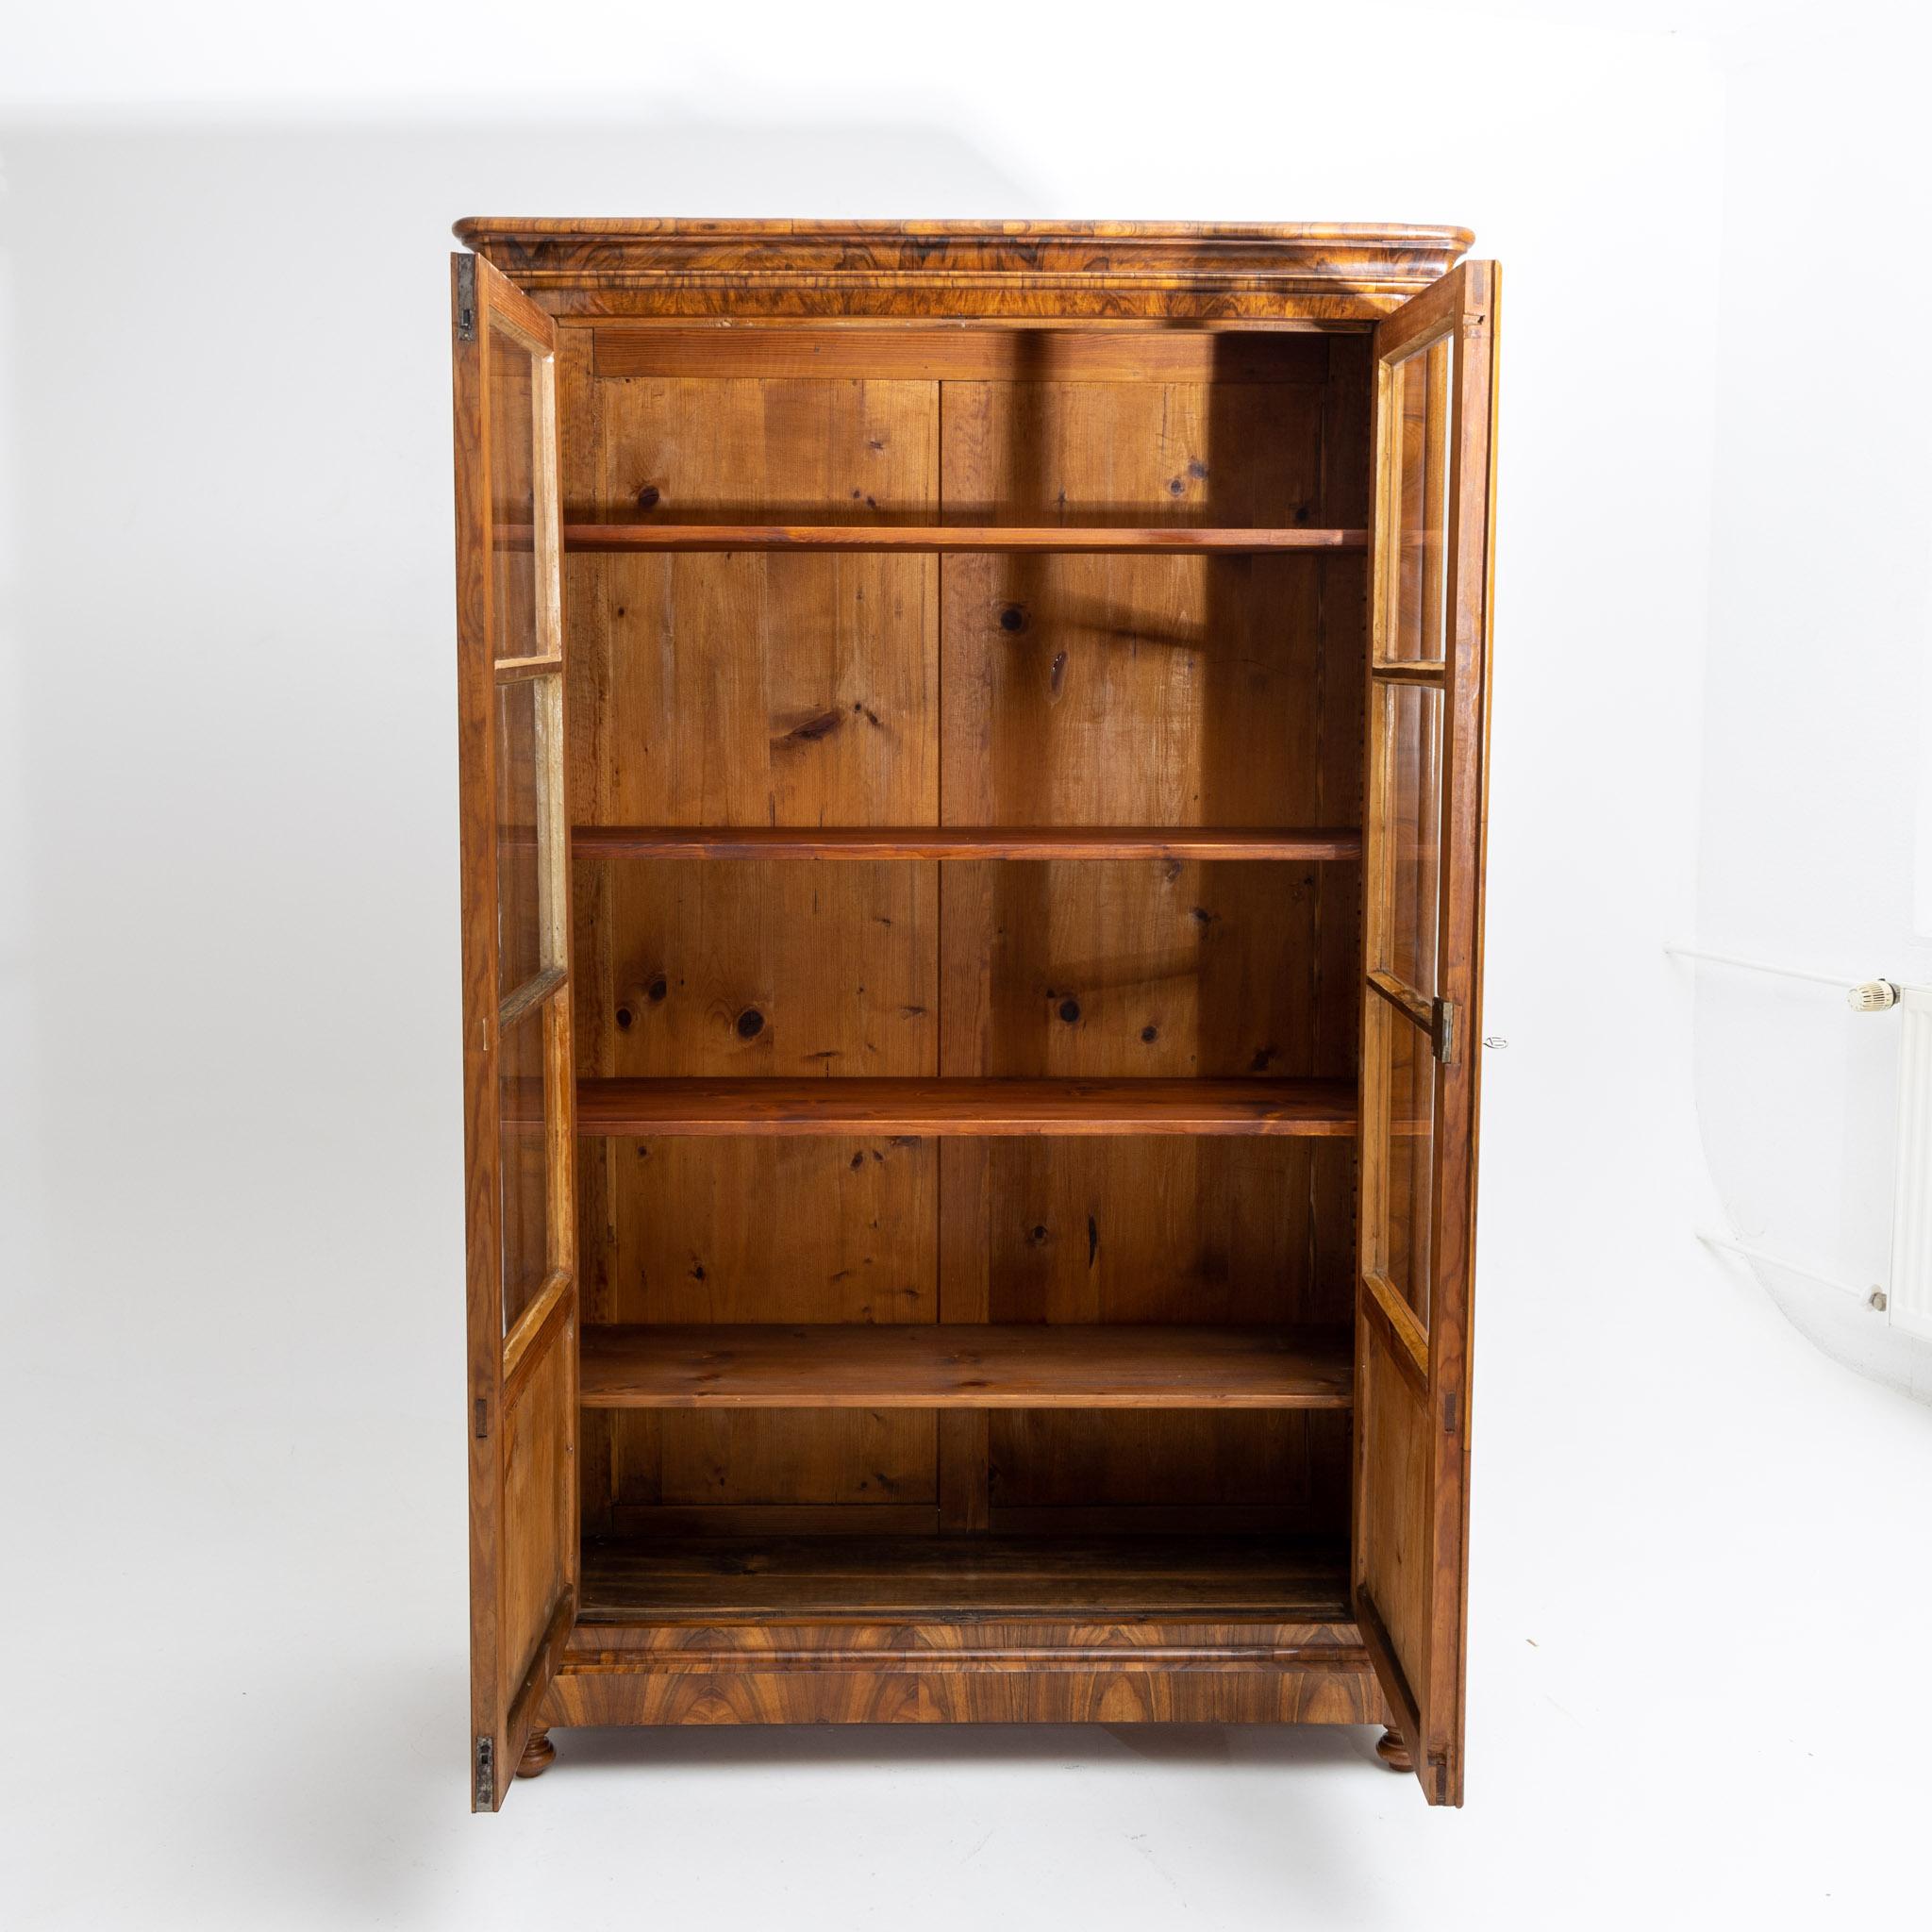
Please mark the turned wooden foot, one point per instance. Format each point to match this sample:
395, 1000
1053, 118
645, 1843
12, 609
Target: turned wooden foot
540, 1754
1391, 1747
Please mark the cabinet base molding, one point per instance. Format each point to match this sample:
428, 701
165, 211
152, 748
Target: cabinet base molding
964, 1673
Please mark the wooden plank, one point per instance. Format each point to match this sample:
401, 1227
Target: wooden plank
513, 670
1405, 999
786, 971
945, 538
963, 841
965, 1365
963, 355
1285, 1579
794, 689
532, 993
1184, 691
675, 1106
588, 781
714, 1520
755, 688
1058, 1520
965, 1278
536, 1329
1400, 1328
1044, 1684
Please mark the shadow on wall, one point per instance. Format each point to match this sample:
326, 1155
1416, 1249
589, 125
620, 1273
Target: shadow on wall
231, 830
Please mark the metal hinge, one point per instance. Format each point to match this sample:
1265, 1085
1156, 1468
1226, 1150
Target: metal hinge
1443, 1029
486, 1774
466, 298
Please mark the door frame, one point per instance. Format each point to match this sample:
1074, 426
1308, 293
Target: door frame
522, 1412
1412, 1437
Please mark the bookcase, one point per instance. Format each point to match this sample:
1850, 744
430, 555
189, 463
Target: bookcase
972, 761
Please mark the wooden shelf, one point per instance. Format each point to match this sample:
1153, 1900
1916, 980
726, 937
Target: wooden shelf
961, 841
646, 1108
964, 1365
942, 538
875, 1577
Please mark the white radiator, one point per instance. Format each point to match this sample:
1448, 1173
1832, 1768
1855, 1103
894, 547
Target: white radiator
1905, 1294
1908, 1306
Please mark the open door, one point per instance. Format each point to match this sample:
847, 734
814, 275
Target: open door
518, 1070
1427, 727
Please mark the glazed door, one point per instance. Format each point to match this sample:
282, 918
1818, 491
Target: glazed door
1426, 724
518, 1086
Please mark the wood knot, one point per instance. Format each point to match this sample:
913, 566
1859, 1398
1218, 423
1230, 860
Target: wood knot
751, 1023
1013, 618
812, 729
1070, 1011
647, 497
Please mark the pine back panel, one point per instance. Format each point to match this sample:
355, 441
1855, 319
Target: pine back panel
853, 688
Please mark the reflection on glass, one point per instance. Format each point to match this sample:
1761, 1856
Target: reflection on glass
513, 496
1403, 1246
527, 719
1411, 750
1417, 627
523, 1162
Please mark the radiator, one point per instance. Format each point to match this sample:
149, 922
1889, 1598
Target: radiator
1909, 1304
1906, 1295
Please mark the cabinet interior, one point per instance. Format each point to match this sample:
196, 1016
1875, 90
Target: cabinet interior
1057, 784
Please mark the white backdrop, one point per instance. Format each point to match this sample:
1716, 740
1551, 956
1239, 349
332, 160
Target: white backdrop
1816, 820
231, 1159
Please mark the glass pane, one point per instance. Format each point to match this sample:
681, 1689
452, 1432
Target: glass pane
1411, 728
1416, 619
1409, 1153
528, 839
523, 1160
513, 496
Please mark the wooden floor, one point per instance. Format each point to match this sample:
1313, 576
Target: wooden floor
1293, 1580
963, 1365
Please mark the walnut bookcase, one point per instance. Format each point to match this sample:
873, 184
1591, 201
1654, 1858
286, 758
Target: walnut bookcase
972, 763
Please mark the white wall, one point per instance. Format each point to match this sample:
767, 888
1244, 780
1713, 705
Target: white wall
232, 1214
1816, 808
